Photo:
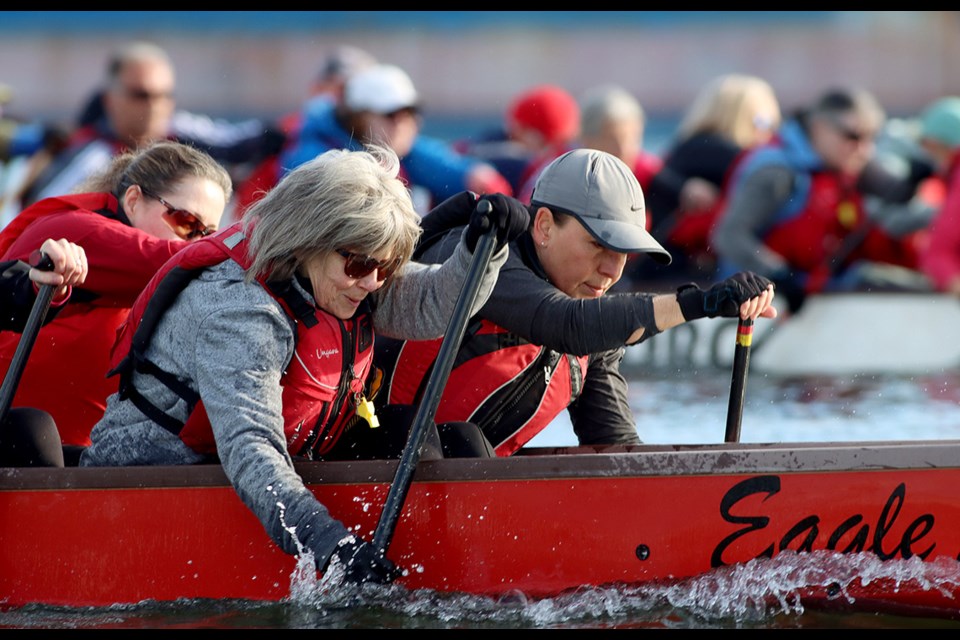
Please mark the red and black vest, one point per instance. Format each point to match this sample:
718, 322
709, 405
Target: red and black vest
510, 388
321, 385
823, 227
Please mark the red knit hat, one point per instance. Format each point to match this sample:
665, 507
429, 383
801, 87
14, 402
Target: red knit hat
550, 110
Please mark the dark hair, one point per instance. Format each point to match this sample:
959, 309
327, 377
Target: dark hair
156, 168
836, 102
344, 61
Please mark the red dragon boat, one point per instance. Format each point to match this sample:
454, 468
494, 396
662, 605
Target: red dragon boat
545, 522
542, 523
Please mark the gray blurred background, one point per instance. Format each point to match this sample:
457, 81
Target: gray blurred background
468, 64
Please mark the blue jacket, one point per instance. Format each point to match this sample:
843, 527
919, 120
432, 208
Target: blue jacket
432, 169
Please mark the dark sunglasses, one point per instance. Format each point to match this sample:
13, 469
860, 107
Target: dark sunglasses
402, 112
184, 224
849, 134
360, 266
142, 95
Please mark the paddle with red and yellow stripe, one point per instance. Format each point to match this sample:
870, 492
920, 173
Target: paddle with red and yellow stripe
741, 362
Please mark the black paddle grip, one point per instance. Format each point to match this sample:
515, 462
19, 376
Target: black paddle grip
40, 260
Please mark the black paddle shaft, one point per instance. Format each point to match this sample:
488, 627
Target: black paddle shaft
738, 385
34, 321
427, 409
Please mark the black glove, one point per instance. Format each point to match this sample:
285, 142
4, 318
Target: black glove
508, 215
272, 142
451, 213
790, 287
362, 562
722, 299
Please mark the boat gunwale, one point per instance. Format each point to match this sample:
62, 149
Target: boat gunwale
542, 463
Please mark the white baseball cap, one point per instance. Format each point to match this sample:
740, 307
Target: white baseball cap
382, 89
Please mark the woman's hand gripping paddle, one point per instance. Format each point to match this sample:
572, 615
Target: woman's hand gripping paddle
40, 261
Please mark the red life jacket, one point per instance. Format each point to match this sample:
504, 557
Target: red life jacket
823, 226
324, 380
808, 238
832, 230
510, 388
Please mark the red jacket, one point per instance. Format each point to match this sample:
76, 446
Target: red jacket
66, 373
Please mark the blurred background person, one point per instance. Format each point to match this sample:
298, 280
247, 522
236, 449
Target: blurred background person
338, 65
21, 136
794, 211
540, 123
26, 146
730, 114
940, 139
546, 120
381, 106
139, 107
613, 120
129, 219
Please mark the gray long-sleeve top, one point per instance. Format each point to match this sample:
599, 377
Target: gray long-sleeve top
738, 236
230, 341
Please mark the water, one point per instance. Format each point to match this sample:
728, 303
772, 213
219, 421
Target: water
672, 407
759, 595
690, 407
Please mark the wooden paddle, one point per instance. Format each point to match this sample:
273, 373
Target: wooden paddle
34, 321
427, 409
741, 362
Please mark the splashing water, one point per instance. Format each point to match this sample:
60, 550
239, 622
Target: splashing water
757, 594
760, 588
749, 594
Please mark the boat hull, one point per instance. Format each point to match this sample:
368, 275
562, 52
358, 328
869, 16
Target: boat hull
542, 523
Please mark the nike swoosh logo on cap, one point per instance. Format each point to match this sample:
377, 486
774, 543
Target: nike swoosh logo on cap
633, 208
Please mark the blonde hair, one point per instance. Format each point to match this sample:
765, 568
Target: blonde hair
727, 106
341, 199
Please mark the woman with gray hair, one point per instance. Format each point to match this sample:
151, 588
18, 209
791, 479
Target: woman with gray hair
254, 346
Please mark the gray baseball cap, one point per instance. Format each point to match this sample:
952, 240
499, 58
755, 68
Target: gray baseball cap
600, 191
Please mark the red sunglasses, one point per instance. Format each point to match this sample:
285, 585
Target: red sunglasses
185, 224
360, 266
